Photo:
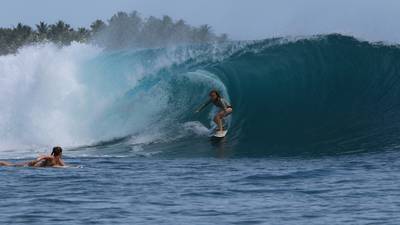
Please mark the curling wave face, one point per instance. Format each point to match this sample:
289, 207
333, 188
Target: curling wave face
321, 94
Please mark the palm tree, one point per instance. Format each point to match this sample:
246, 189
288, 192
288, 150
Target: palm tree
42, 30
23, 30
22, 34
118, 27
61, 32
203, 34
97, 26
181, 32
82, 34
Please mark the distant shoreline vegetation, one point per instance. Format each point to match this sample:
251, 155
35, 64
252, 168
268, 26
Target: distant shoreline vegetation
123, 30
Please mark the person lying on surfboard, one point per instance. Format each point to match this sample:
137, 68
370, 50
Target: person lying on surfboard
53, 160
224, 106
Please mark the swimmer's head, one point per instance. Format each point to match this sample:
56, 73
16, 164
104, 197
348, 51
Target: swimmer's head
214, 95
57, 151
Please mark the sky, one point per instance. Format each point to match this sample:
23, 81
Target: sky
375, 20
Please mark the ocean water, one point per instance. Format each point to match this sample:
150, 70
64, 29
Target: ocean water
345, 189
313, 138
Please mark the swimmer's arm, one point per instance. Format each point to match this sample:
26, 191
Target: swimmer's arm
203, 107
60, 165
62, 162
44, 157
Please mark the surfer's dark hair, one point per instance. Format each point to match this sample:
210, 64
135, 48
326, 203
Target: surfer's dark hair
56, 151
215, 92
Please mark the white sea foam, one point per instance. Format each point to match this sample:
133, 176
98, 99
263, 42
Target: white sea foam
59, 96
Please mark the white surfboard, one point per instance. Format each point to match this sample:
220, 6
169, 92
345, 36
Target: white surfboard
220, 134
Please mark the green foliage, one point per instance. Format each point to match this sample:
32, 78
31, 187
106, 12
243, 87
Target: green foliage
122, 30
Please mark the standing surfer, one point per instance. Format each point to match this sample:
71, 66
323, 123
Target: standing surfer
224, 106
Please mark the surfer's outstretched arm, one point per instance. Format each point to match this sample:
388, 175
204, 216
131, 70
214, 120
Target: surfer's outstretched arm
202, 107
2, 163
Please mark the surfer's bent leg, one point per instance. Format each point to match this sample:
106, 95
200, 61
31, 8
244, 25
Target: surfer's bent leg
228, 111
218, 118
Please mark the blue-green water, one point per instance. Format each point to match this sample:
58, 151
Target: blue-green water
346, 189
313, 138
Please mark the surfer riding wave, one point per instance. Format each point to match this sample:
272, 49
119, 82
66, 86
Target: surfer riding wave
53, 160
225, 109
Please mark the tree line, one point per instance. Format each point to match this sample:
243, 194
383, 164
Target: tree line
122, 30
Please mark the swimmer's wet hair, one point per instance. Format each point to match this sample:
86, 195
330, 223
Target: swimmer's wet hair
56, 151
